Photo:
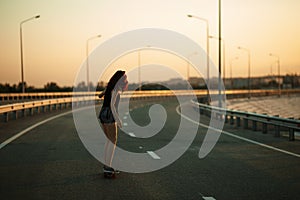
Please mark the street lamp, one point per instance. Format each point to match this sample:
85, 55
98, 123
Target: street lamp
214, 37
21, 48
139, 66
188, 68
207, 49
139, 70
231, 81
87, 60
219, 62
278, 65
249, 84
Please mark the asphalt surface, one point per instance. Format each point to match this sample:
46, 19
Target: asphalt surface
50, 162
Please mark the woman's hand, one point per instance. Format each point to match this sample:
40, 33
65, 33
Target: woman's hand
102, 93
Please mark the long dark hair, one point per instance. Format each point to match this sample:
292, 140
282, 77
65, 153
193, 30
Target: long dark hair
112, 83
114, 80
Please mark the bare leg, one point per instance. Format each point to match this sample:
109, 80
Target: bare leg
109, 153
110, 131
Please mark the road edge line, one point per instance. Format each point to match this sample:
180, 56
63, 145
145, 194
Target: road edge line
239, 137
16, 136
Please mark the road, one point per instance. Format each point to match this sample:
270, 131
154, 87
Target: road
50, 162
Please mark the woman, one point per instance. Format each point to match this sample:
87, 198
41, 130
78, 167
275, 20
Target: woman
109, 117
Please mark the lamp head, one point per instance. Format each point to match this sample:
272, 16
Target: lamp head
190, 15
38, 16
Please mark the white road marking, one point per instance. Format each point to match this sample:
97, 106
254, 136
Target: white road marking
125, 124
6, 142
239, 137
131, 134
153, 155
208, 198
125, 117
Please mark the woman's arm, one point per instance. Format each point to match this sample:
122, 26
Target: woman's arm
114, 95
102, 93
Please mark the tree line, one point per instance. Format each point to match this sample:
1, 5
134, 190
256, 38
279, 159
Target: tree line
266, 82
17, 88
48, 87
54, 87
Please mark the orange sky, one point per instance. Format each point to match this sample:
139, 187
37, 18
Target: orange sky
55, 44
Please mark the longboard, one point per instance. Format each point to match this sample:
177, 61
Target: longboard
109, 174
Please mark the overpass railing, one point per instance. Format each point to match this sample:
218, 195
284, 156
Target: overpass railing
66, 99
9, 98
255, 120
23, 109
29, 108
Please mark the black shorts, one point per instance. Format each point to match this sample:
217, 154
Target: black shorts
106, 115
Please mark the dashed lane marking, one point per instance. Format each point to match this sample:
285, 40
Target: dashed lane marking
208, 198
131, 134
153, 155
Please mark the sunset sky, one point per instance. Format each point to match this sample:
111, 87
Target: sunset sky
55, 44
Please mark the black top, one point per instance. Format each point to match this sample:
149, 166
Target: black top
107, 99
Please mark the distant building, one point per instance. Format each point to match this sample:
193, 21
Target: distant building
240, 83
262, 82
175, 81
255, 82
197, 82
291, 81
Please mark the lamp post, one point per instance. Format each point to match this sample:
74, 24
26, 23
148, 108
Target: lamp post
278, 65
21, 49
219, 62
188, 68
87, 60
139, 65
230, 63
222, 40
139, 70
207, 49
249, 84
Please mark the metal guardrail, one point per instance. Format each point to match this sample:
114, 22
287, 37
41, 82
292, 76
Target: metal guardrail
55, 95
10, 97
237, 117
52, 95
65, 99
29, 108
75, 99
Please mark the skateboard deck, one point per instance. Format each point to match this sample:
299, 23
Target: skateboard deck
109, 174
